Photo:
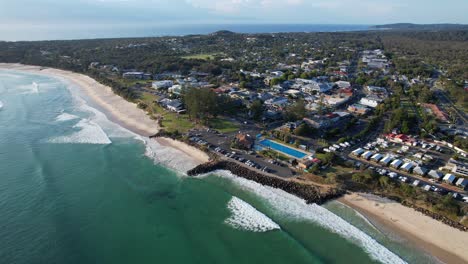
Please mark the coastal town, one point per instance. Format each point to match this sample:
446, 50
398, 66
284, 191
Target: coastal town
298, 118
315, 115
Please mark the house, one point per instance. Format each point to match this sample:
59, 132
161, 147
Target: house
175, 89
367, 155
450, 178
435, 174
305, 163
172, 105
371, 101
358, 152
396, 163
310, 86
377, 157
277, 102
386, 160
358, 109
162, 84
420, 170
462, 183
376, 90
244, 141
407, 166
343, 84
136, 75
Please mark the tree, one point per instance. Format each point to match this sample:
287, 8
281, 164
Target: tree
384, 182
201, 104
256, 109
296, 111
303, 130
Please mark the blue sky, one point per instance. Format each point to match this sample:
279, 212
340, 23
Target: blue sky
33, 13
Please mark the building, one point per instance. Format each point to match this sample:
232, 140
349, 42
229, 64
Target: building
343, 84
420, 170
367, 155
172, 105
133, 75
376, 90
407, 166
458, 167
371, 101
450, 178
462, 183
396, 163
436, 174
358, 109
377, 157
244, 141
162, 84
305, 163
386, 160
358, 152
175, 89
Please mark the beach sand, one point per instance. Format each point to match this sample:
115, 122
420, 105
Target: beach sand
447, 244
116, 108
198, 155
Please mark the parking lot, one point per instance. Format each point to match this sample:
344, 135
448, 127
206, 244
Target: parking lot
221, 144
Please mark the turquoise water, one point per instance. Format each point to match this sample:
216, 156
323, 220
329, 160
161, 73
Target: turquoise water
282, 148
76, 188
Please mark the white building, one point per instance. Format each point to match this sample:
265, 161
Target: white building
162, 84
370, 101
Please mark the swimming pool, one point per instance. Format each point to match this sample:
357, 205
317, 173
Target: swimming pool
283, 149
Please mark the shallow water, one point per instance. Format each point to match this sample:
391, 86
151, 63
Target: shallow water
76, 188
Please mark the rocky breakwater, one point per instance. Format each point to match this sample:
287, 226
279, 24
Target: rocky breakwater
308, 192
437, 217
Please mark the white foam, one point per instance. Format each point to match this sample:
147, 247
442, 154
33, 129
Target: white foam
169, 157
65, 117
90, 133
32, 88
294, 208
246, 217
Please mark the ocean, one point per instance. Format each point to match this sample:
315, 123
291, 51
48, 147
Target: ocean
77, 188
66, 32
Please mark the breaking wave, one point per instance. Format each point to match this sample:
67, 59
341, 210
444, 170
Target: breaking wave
297, 209
65, 117
245, 217
89, 133
167, 156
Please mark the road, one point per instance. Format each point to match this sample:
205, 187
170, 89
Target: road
447, 104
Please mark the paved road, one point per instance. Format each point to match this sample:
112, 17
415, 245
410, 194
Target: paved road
447, 104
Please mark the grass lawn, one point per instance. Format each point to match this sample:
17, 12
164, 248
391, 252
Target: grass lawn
171, 121
223, 125
203, 56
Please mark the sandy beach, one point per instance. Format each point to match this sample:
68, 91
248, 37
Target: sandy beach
116, 108
447, 244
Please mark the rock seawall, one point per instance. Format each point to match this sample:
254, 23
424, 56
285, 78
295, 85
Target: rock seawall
310, 193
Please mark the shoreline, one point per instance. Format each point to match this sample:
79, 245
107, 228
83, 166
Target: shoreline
439, 240
114, 107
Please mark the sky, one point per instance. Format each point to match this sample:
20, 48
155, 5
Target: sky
74, 19
33, 13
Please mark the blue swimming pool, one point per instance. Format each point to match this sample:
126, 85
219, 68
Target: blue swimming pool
282, 148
